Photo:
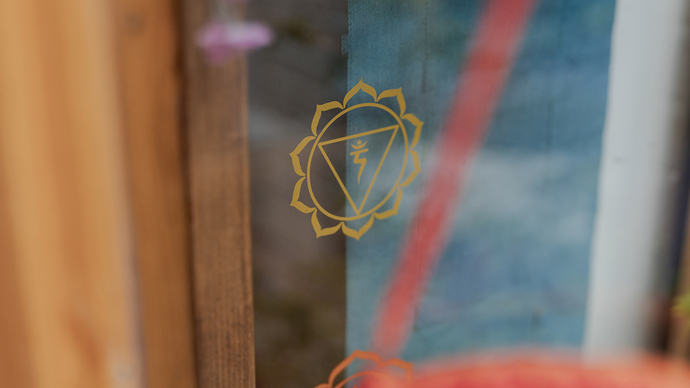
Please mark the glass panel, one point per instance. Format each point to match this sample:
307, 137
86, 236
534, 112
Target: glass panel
434, 180
299, 280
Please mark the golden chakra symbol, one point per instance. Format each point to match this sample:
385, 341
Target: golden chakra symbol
404, 130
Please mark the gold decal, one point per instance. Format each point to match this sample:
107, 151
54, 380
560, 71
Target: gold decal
392, 373
364, 210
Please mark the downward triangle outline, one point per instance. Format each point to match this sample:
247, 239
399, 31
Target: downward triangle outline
358, 210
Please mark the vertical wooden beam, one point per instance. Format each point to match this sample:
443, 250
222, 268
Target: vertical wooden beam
150, 74
64, 189
216, 107
15, 357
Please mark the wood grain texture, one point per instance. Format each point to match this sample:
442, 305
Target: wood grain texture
64, 189
15, 358
150, 75
216, 108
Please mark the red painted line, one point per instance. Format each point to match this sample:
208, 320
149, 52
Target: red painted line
488, 65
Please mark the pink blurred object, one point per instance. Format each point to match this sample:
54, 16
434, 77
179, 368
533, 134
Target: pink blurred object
223, 40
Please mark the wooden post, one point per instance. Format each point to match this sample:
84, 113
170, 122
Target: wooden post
149, 54
91, 296
216, 111
64, 199
15, 358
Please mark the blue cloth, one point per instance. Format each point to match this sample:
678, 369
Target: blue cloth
515, 271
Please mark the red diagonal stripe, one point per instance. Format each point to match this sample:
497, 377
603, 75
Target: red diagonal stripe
488, 65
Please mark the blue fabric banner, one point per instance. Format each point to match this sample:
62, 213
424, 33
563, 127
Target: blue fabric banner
515, 269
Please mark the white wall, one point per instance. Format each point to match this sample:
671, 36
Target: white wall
640, 171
